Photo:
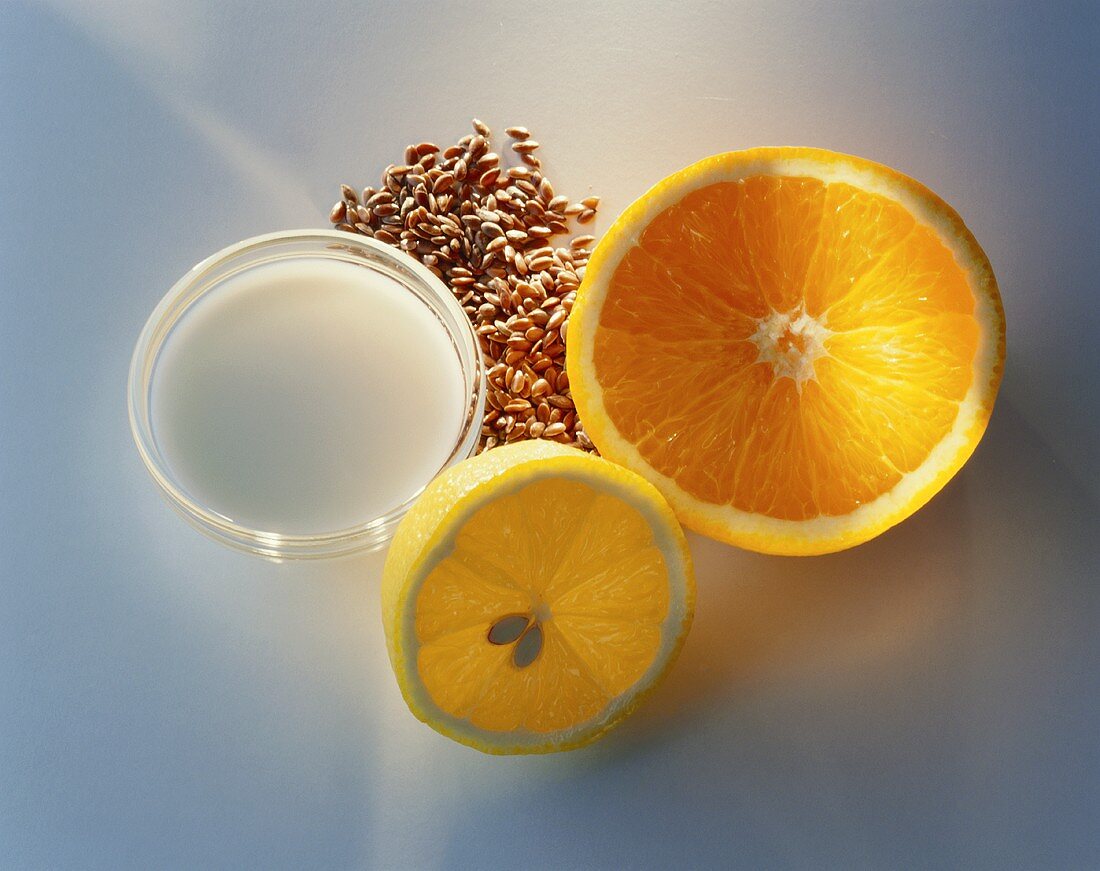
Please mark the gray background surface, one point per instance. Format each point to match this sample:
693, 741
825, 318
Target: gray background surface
928, 700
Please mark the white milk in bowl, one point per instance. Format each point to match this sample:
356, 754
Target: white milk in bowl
307, 395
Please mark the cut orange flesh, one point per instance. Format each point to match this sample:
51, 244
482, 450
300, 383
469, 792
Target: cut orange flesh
532, 596
799, 348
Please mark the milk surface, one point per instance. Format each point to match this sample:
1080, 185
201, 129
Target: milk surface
307, 396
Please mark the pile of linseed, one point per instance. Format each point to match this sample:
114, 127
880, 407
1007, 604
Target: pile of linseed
486, 229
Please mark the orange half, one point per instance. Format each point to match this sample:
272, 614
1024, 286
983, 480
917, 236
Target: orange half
798, 348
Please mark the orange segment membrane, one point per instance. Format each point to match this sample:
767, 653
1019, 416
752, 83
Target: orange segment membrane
580, 562
689, 368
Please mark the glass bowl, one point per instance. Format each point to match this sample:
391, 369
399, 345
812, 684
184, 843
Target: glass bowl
205, 278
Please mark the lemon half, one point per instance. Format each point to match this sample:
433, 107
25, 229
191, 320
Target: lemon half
532, 596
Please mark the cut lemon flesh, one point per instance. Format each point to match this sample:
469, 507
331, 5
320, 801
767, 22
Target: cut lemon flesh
799, 348
532, 596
